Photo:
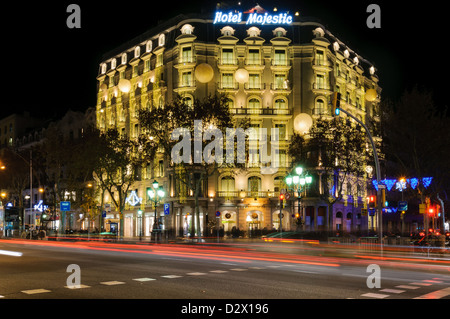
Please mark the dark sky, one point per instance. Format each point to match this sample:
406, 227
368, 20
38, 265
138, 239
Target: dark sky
49, 68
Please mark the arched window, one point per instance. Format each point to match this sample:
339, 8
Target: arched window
320, 107
187, 29
253, 32
254, 103
227, 184
254, 184
188, 101
161, 40
280, 103
137, 51
124, 58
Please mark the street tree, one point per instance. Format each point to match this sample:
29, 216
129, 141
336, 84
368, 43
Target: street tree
209, 115
416, 138
336, 151
117, 160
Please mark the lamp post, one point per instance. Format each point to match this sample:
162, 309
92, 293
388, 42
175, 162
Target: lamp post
156, 195
297, 182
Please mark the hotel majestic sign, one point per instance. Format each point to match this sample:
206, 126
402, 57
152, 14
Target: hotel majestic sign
256, 15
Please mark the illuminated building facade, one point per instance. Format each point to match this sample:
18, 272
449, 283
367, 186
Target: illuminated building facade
292, 69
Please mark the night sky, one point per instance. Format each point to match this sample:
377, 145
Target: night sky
49, 68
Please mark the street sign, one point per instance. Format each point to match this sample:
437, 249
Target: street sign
104, 214
166, 208
217, 214
402, 205
287, 195
64, 206
283, 191
422, 208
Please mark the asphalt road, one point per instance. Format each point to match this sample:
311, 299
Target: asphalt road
194, 274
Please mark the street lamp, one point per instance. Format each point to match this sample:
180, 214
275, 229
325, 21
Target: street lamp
297, 183
156, 195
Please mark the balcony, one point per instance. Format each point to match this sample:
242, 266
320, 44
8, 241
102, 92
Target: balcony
321, 88
230, 64
227, 87
250, 194
254, 87
281, 88
260, 111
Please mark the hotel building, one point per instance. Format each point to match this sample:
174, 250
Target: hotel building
293, 67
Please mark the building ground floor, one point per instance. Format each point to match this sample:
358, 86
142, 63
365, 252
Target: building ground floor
248, 217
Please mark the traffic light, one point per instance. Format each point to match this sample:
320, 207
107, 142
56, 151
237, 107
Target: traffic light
282, 197
431, 211
372, 201
297, 215
336, 102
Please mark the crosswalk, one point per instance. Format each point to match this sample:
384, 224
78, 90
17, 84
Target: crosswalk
395, 291
416, 285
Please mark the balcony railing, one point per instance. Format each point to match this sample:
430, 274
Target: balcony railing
251, 194
260, 111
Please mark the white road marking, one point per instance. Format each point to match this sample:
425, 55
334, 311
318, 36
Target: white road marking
144, 279
239, 269
112, 283
171, 276
392, 291
196, 273
35, 291
77, 287
218, 271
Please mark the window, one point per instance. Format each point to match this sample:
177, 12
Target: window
281, 130
187, 29
254, 103
161, 40
253, 32
279, 57
186, 55
227, 31
227, 184
227, 56
254, 81
253, 57
137, 52
113, 63
186, 79
188, 101
280, 81
159, 60
320, 82
280, 104
320, 107
320, 60
227, 80
103, 68
254, 184
124, 58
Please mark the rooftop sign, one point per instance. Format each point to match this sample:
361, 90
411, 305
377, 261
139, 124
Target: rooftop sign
255, 15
